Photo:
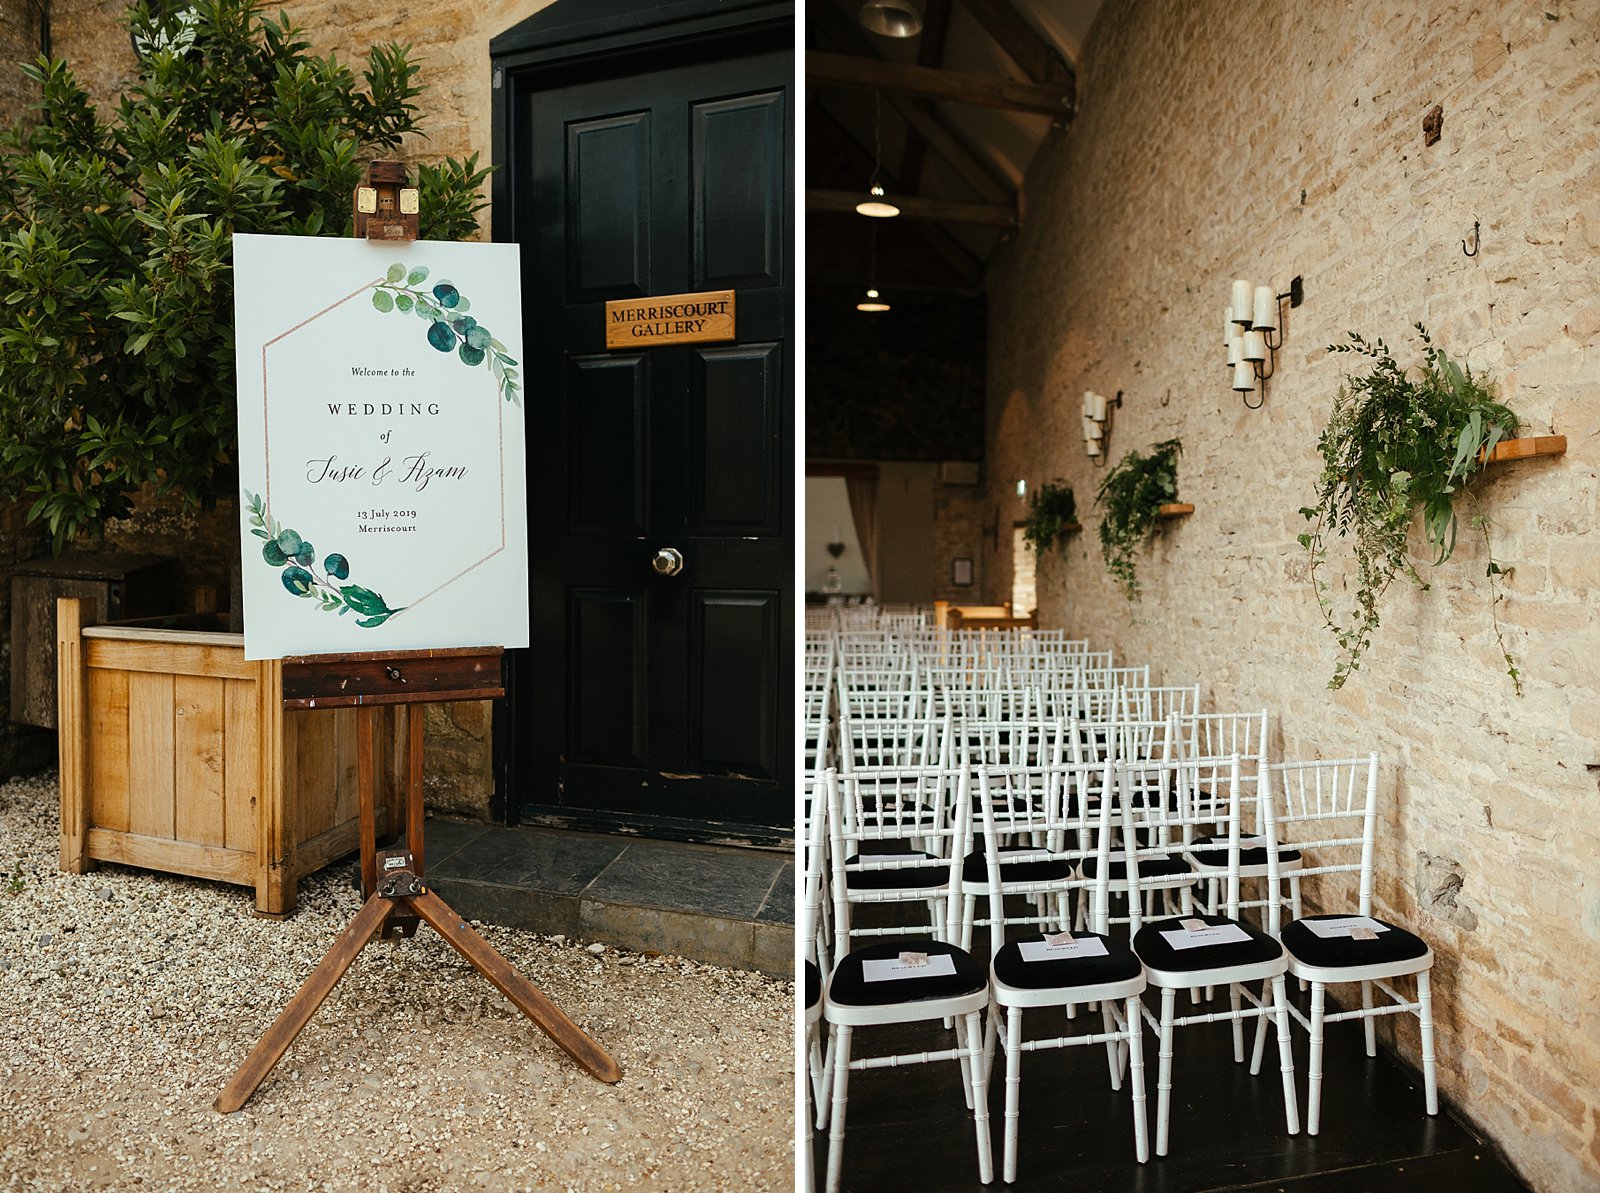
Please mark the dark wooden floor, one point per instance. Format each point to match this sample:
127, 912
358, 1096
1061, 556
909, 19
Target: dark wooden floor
908, 1128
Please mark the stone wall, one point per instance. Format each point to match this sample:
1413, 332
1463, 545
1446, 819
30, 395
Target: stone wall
1222, 140
451, 44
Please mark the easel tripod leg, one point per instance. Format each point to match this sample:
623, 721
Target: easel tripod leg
270, 1048
527, 997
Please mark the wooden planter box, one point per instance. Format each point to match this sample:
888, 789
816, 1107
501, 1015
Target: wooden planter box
177, 755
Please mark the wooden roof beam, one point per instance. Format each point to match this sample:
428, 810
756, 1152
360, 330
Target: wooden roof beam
986, 91
1036, 57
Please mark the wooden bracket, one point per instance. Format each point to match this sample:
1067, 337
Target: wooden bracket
384, 206
1527, 447
1174, 509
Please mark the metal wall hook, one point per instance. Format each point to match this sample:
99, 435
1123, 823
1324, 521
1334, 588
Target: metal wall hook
1476, 243
1167, 401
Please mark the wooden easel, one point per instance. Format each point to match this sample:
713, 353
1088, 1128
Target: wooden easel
392, 883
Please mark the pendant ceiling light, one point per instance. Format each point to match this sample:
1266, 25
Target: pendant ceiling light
872, 302
891, 18
876, 204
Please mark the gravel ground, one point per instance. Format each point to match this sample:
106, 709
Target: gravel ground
130, 998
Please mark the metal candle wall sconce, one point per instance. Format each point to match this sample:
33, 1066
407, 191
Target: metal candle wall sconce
1253, 325
1097, 423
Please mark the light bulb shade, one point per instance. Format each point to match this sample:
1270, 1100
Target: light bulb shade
872, 303
1235, 348
1244, 377
876, 206
1229, 327
1093, 447
1095, 406
1255, 346
1240, 306
891, 18
1266, 313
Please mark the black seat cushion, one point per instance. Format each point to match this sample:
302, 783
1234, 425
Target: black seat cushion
1213, 851
1039, 869
813, 977
1156, 953
850, 987
1118, 965
1149, 867
896, 877
1338, 952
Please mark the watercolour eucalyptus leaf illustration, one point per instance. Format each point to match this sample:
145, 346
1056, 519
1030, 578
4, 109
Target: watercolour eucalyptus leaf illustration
285, 548
450, 328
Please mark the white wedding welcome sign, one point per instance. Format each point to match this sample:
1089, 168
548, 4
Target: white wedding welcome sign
381, 455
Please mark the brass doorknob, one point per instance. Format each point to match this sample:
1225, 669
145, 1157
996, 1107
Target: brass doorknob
668, 561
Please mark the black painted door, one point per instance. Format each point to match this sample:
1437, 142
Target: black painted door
659, 702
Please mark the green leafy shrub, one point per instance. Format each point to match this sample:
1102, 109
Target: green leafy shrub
116, 279
1395, 443
1051, 510
1133, 493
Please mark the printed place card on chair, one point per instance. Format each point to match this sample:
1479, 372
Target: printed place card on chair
1061, 947
893, 969
1208, 934
1347, 925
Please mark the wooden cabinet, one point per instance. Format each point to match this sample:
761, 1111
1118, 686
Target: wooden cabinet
177, 755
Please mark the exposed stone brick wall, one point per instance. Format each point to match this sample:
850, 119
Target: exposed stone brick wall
1217, 141
962, 515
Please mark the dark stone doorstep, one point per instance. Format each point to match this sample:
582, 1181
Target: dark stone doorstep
722, 906
696, 878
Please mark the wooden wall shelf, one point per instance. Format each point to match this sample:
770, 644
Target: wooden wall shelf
1175, 509
1527, 447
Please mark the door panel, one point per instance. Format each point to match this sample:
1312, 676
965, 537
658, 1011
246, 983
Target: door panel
739, 193
737, 422
659, 701
608, 206
734, 634
609, 399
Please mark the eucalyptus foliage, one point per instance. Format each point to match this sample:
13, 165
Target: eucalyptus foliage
1398, 442
1133, 493
116, 278
1050, 511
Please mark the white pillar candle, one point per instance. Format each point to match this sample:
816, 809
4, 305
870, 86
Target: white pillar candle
1266, 315
1229, 328
1092, 429
1235, 348
1241, 301
1244, 377
1093, 446
1085, 403
1255, 346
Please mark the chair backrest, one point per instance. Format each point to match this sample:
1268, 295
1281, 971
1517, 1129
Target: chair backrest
1211, 739
1160, 816
814, 864
873, 819
1328, 810
868, 742
1036, 807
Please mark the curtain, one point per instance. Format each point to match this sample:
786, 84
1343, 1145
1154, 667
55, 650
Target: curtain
863, 494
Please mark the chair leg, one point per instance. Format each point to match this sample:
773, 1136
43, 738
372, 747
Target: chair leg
1141, 1126
980, 1103
969, 915
841, 1089
808, 1179
1169, 1001
1235, 1001
1291, 1108
1108, 1020
1314, 1065
1013, 1090
1367, 1020
1258, 1048
820, 1075
1430, 1077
